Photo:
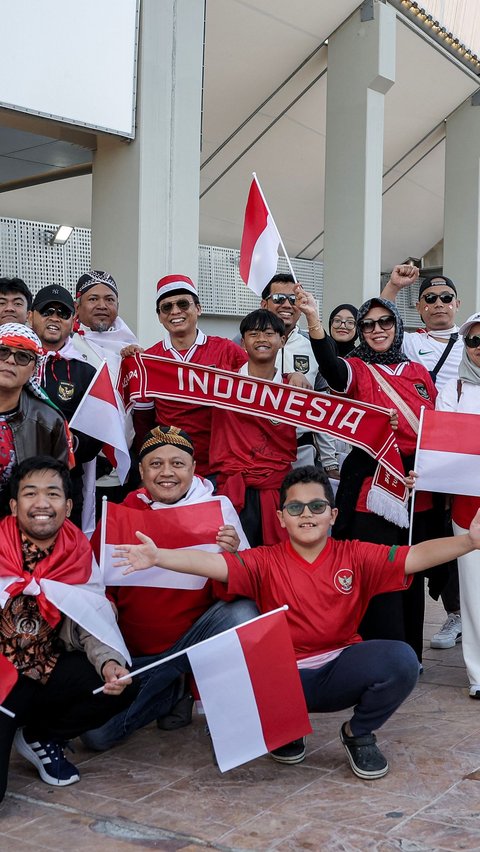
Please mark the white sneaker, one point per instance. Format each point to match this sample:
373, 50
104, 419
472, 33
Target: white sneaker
449, 634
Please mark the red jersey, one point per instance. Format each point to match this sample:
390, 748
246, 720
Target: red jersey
464, 510
327, 598
196, 420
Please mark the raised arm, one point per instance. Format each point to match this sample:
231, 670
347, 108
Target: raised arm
138, 557
427, 554
332, 368
402, 275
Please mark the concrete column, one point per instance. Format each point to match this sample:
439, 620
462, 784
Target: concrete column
361, 69
461, 258
145, 205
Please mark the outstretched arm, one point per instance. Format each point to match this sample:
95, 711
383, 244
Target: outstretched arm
138, 557
427, 554
402, 275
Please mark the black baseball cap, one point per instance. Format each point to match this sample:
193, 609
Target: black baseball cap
53, 293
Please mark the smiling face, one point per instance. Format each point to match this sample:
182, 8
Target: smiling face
343, 326
13, 308
379, 339
262, 346
474, 354
178, 315
438, 316
41, 506
52, 331
307, 531
98, 308
290, 314
167, 473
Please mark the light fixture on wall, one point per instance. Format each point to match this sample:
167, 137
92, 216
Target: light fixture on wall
60, 236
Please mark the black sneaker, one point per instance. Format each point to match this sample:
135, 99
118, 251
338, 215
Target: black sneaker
180, 715
48, 757
366, 759
293, 752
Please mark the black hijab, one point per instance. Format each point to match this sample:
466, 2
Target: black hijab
344, 348
393, 355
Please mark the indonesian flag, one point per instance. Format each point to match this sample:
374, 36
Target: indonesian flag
193, 525
259, 249
102, 416
8, 679
250, 689
448, 453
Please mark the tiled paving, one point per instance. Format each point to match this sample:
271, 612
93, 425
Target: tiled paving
161, 790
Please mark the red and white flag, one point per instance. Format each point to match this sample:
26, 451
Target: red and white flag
448, 453
192, 525
260, 241
250, 689
102, 416
8, 679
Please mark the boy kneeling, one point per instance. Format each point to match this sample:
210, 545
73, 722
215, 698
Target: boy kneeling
327, 585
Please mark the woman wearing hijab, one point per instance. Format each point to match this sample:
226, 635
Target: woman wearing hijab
342, 327
463, 395
378, 372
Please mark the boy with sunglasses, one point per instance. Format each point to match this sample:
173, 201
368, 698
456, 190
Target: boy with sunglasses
327, 585
64, 375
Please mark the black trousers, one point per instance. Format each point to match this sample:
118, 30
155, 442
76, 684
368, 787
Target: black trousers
59, 710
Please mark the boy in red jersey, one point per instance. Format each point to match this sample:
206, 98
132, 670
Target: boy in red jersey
327, 585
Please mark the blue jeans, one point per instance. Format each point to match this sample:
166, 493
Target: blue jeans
159, 686
373, 677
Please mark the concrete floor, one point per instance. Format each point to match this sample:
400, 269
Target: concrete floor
161, 790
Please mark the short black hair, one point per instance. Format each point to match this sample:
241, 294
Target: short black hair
304, 475
34, 463
179, 292
260, 320
279, 278
16, 285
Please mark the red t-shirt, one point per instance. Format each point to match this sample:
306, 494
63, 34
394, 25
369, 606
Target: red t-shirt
464, 509
327, 598
196, 420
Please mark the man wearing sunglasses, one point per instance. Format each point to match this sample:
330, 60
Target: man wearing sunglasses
439, 348
64, 375
178, 309
279, 298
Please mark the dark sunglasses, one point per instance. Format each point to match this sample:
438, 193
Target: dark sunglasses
431, 298
281, 298
316, 507
60, 311
472, 342
385, 323
348, 323
20, 356
182, 305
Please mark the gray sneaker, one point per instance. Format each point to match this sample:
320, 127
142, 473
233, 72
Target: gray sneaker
449, 634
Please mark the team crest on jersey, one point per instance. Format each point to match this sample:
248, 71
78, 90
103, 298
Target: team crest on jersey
65, 391
301, 363
421, 390
343, 581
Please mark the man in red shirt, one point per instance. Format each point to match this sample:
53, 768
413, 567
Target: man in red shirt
327, 585
178, 308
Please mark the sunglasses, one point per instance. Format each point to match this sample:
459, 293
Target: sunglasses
348, 323
368, 325
431, 298
20, 356
472, 342
281, 298
60, 311
181, 304
316, 507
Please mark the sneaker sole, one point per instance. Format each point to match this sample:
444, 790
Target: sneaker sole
443, 645
24, 749
360, 773
296, 758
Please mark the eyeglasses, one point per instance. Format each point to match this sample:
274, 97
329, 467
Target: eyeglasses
281, 298
431, 298
368, 325
472, 342
348, 323
20, 356
181, 304
316, 507
60, 311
